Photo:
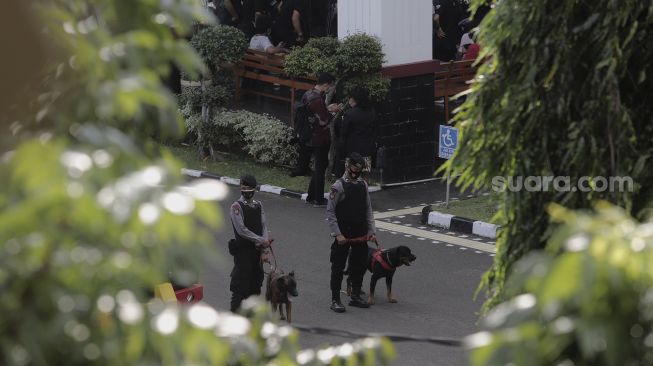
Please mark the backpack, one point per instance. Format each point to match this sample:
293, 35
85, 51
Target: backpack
303, 119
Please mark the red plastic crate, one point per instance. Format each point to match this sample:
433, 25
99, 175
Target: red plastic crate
190, 295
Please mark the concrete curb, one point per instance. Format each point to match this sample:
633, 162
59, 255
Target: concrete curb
459, 224
263, 187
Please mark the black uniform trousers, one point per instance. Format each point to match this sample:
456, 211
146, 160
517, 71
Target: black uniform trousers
357, 264
246, 277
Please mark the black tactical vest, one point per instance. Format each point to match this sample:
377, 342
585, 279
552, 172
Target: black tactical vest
351, 212
253, 222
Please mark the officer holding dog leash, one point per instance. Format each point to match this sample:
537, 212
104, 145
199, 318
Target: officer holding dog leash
252, 239
351, 220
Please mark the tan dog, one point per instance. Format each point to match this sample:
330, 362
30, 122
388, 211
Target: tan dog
279, 285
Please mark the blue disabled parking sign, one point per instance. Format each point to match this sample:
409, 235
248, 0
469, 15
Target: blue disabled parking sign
448, 141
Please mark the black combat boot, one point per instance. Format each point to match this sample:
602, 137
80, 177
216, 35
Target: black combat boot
336, 304
357, 300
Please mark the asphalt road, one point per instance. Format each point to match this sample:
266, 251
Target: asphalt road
435, 294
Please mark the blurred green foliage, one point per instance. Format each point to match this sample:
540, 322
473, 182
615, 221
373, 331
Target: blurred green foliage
560, 94
587, 300
91, 212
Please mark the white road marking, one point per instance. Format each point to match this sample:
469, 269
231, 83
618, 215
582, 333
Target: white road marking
437, 237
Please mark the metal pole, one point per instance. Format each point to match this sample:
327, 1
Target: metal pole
448, 185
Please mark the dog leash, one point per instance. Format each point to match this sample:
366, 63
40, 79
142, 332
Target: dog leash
274, 258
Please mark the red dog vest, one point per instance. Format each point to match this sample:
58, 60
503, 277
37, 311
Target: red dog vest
377, 256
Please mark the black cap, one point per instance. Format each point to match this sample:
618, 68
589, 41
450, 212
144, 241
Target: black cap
356, 159
248, 180
325, 78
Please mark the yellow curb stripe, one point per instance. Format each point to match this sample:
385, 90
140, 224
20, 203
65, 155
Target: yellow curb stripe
402, 212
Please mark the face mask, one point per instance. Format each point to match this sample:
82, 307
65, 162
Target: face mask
247, 194
354, 175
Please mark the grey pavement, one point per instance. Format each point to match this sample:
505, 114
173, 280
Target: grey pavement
435, 294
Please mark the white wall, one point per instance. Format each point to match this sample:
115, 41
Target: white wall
404, 26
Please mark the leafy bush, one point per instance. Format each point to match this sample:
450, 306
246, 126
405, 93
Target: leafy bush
377, 86
225, 78
191, 97
327, 65
220, 43
216, 96
574, 111
590, 303
360, 53
357, 54
300, 61
266, 138
327, 45
261, 136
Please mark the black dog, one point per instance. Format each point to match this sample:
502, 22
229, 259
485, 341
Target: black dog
279, 285
383, 264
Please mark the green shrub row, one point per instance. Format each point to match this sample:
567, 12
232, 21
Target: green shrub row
263, 137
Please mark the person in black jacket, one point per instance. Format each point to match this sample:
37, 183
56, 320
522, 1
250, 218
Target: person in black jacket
446, 32
351, 220
252, 238
357, 131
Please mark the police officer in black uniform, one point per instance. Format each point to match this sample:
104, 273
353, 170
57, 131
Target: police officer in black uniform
252, 239
349, 214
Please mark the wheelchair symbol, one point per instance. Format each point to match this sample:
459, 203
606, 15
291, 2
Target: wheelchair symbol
447, 140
